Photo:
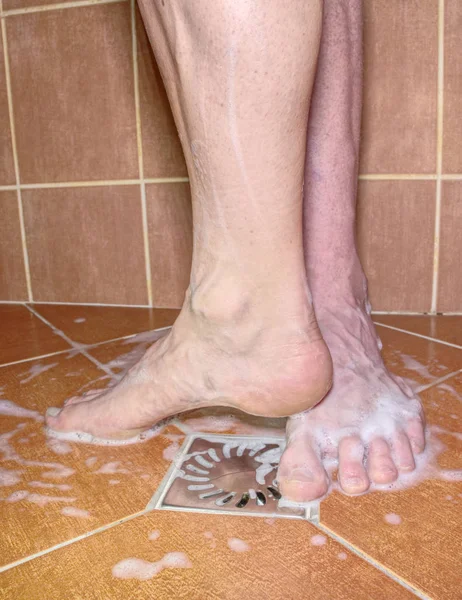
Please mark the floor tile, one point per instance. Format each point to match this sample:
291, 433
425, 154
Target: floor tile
415, 533
395, 222
94, 324
12, 273
74, 103
23, 335
86, 244
441, 327
418, 361
51, 490
224, 557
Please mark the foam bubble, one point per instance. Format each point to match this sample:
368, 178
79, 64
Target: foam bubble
72, 511
137, 568
393, 519
154, 535
238, 545
318, 540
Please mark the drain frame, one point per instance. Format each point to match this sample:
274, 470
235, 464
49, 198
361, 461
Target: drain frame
309, 512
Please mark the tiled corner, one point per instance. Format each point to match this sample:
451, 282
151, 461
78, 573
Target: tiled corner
54, 491
96, 324
414, 533
170, 240
397, 254
24, 336
443, 327
73, 93
452, 118
400, 79
13, 284
86, 244
450, 266
7, 175
162, 153
224, 558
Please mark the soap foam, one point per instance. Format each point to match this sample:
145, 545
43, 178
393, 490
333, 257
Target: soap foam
58, 446
137, 568
35, 370
238, 545
72, 511
39, 499
318, 540
154, 535
393, 519
8, 477
11, 409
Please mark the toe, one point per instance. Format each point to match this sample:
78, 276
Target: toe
301, 476
415, 431
71, 417
352, 475
380, 465
404, 458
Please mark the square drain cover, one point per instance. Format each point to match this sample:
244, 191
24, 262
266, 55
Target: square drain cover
228, 474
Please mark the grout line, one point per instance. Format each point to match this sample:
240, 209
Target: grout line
79, 347
15, 161
420, 335
167, 179
8, 188
439, 156
369, 559
99, 182
25, 360
407, 313
423, 388
47, 7
82, 304
85, 535
139, 143
452, 177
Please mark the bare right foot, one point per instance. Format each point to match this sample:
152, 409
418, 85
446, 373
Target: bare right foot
241, 353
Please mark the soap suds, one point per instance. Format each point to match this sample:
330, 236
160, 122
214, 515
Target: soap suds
318, 540
63, 487
111, 468
393, 519
58, 446
80, 320
36, 370
270, 521
37, 498
8, 477
238, 545
342, 555
137, 568
154, 535
11, 409
114, 481
72, 511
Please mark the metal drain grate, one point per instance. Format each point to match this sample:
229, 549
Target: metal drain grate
227, 473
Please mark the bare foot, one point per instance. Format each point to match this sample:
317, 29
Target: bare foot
240, 354
370, 421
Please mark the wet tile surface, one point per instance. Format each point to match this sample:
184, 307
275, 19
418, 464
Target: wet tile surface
415, 533
445, 328
23, 335
53, 490
83, 241
225, 558
94, 324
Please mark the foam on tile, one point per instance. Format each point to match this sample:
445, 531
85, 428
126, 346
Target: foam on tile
137, 568
393, 519
35, 370
58, 446
9, 477
72, 511
41, 500
11, 409
154, 535
238, 545
318, 540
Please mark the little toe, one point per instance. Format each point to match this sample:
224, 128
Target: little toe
415, 431
352, 475
380, 465
301, 476
404, 458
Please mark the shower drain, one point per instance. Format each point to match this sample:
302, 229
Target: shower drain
230, 474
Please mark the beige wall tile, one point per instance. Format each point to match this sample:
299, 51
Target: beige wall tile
452, 123
450, 267
7, 175
12, 274
395, 239
400, 79
86, 244
170, 238
73, 93
162, 153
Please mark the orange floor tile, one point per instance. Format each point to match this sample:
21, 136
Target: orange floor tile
446, 328
394, 544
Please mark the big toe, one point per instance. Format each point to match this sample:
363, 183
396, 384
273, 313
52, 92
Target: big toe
301, 476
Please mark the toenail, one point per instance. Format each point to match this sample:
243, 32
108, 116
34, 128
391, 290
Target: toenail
301, 475
53, 411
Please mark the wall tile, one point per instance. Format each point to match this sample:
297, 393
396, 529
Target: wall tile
395, 238
170, 239
450, 267
15, 4
86, 244
73, 94
162, 153
12, 275
400, 84
452, 129
7, 175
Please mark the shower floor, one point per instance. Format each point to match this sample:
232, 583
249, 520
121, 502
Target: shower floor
83, 521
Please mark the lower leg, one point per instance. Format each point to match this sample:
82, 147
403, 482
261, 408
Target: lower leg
246, 336
367, 411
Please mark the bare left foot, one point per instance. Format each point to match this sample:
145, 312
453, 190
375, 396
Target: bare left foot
370, 421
